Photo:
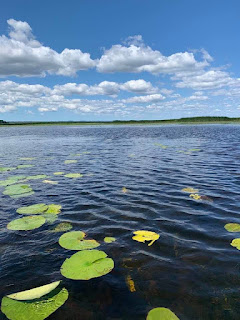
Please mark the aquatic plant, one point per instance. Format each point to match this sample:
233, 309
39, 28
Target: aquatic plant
50, 181
190, 190
124, 190
12, 180
58, 173
27, 159
73, 175
38, 309
33, 209
36, 177
130, 283
144, 235
109, 239
18, 190
54, 209
161, 314
21, 166
50, 217
26, 223
70, 161
195, 196
87, 264
62, 227
232, 227
34, 293
236, 243
4, 169
74, 240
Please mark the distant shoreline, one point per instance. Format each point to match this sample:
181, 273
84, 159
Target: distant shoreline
191, 121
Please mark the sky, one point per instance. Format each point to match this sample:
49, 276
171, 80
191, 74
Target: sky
94, 60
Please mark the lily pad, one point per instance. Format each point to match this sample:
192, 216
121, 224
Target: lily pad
109, 239
70, 161
11, 180
54, 209
232, 227
27, 159
36, 177
50, 181
74, 240
190, 190
73, 175
62, 227
18, 190
144, 235
26, 223
195, 196
21, 166
38, 309
59, 173
236, 243
124, 190
50, 217
161, 314
33, 209
4, 169
87, 264
35, 293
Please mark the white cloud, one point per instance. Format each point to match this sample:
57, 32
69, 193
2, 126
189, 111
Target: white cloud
145, 99
138, 57
22, 55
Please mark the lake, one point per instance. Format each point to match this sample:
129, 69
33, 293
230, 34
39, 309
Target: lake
132, 179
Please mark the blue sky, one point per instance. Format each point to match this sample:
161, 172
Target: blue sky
105, 60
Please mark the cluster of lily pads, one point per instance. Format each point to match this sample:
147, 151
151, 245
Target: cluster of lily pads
188, 151
194, 194
234, 227
87, 263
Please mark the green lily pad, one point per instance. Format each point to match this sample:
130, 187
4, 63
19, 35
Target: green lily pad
38, 309
73, 175
74, 240
18, 190
59, 173
62, 227
50, 217
161, 314
33, 209
232, 227
109, 239
26, 223
36, 177
11, 180
87, 264
35, 293
70, 161
54, 208
236, 243
4, 169
25, 166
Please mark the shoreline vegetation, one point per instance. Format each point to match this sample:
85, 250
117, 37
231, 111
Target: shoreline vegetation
192, 120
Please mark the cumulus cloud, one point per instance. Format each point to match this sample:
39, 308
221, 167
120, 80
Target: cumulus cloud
145, 99
135, 56
22, 55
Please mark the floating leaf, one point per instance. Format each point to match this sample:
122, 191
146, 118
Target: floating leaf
195, 196
190, 190
26, 223
130, 283
50, 181
232, 227
25, 166
59, 173
193, 150
124, 190
236, 243
74, 240
36, 177
50, 217
73, 175
62, 227
109, 239
54, 208
35, 293
161, 314
18, 190
11, 180
70, 161
33, 209
87, 264
4, 169
27, 159
34, 310
143, 235
160, 145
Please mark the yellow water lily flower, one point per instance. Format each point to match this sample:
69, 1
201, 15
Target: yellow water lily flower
144, 235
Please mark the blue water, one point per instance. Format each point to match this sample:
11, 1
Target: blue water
191, 269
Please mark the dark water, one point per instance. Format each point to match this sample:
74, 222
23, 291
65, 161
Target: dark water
191, 269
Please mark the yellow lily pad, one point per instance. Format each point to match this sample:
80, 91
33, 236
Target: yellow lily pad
58, 173
190, 190
161, 314
73, 175
236, 243
195, 196
144, 235
70, 161
232, 227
